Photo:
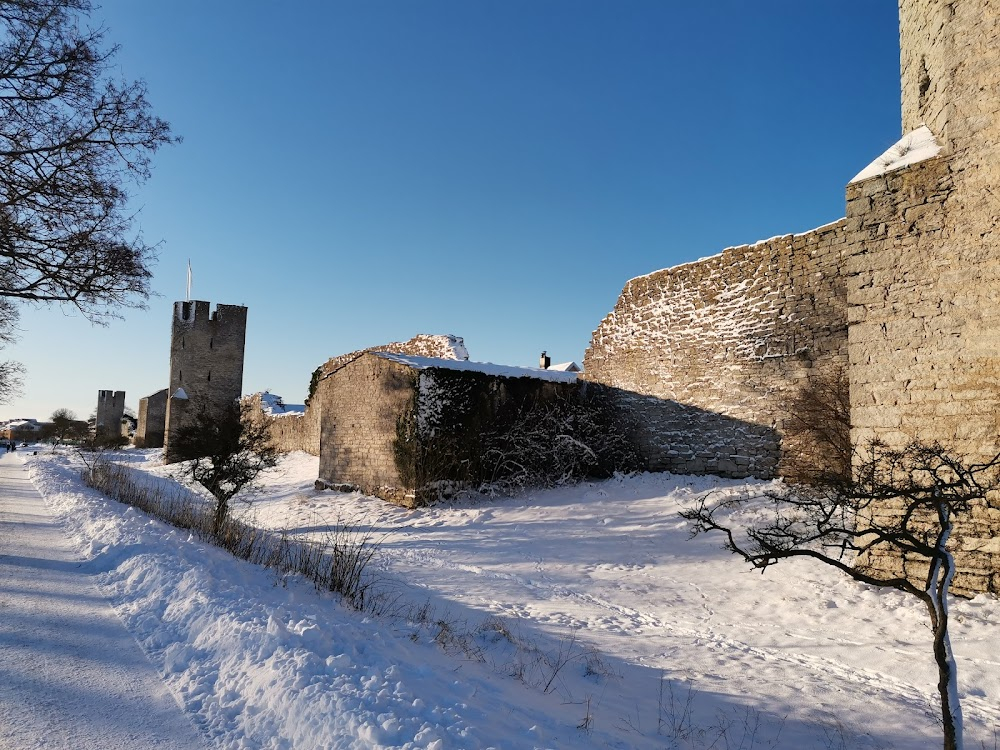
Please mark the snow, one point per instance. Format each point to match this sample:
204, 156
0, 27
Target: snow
718, 255
914, 147
56, 624
579, 617
504, 371
565, 367
273, 405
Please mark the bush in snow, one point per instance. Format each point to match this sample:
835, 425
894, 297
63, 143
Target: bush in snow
337, 563
226, 450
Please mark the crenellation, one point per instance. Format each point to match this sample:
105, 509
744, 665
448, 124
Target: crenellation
206, 360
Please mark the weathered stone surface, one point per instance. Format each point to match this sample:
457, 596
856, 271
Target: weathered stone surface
904, 292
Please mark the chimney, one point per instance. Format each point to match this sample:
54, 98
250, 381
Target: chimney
544, 361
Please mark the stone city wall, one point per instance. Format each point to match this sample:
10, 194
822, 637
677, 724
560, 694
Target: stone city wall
301, 432
361, 404
712, 354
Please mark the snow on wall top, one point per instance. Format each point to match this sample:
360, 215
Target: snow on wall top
274, 406
914, 147
488, 368
821, 228
445, 346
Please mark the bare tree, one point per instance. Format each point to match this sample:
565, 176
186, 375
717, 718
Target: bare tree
902, 502
71, 138
227, 450
63, 424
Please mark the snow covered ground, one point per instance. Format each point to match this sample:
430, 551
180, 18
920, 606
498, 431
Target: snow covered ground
571, 618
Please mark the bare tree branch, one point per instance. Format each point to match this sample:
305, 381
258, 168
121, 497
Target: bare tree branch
900, 502
71, 139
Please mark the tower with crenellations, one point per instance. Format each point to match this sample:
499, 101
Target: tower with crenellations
206, 360
110, 409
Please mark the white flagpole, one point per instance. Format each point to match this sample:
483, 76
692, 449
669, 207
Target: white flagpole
189, 281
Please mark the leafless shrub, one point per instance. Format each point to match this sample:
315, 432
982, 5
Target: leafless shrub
338, 563
901, 502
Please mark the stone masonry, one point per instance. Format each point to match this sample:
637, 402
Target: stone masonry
206, 360
301, 432
110, 410
904, 291
715, 352
152, 420
407, 428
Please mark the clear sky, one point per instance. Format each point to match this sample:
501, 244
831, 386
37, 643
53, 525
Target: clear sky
360, 172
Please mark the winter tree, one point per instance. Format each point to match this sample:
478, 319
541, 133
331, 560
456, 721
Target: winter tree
72, 139
227, 450
902, 502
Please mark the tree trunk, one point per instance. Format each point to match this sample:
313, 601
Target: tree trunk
939, 579
221, 511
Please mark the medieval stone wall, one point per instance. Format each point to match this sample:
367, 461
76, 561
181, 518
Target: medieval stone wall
361, 404
110, 409
924, 288
301, 432
152, 420
292, 431
711, 355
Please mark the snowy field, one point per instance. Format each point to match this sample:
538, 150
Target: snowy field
581, 617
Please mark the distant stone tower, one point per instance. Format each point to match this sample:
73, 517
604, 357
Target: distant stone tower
206, 360
110, 409
152, 420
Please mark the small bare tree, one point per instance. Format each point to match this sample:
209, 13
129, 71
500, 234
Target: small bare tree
227, 450
902, 502
63, 422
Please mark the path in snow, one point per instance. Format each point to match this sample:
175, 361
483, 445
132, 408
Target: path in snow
71, 676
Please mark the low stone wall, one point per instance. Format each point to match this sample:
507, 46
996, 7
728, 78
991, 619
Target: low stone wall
293, 431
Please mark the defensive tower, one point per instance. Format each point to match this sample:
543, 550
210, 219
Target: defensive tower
110, 409
206, 360
949, 64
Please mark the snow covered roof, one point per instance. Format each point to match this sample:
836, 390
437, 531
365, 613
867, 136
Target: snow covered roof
23, 424
913, 148
503, 371
565, 367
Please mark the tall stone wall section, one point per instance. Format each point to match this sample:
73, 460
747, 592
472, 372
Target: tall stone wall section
925, 282
152, 420
206, 360
110, 410
710, 356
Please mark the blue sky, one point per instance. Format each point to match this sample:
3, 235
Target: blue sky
359, 172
